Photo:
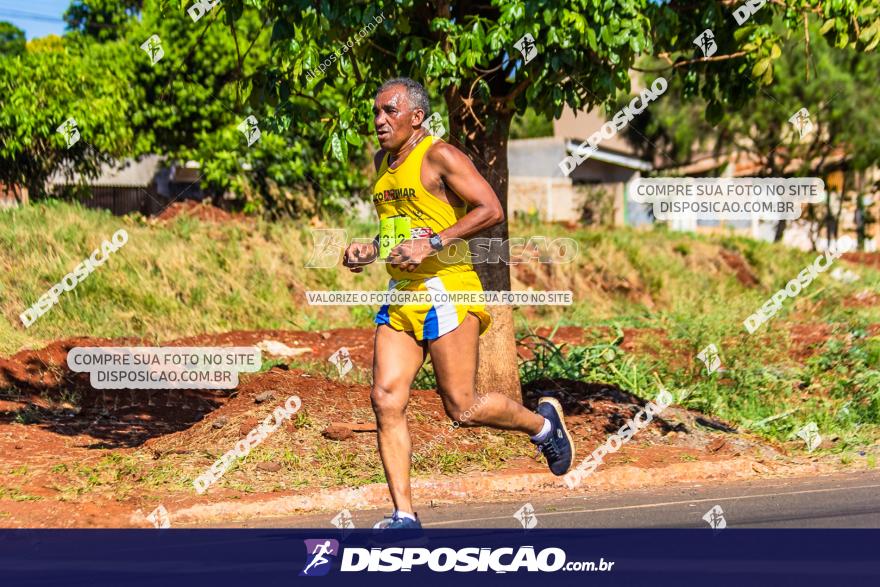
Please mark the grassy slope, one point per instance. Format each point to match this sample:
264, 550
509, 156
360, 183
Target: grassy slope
182, 278
189, 277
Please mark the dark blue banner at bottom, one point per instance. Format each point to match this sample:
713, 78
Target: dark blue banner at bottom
219, 558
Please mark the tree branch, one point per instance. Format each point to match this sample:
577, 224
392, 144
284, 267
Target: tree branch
357, 70
240, 73
315, 100
806, 46
469, 101
687, 62
818, 9
519, 89
254, 42
190, 52
381, 49
493, 70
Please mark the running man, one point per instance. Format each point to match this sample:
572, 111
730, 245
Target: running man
320, 559
446, 199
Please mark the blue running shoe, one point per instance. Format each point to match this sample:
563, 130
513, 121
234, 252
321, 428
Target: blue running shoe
393, 522
398, 530
558, 448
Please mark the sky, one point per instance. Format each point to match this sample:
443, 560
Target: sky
37, 18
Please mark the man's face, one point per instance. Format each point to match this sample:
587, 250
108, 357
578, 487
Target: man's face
395, 119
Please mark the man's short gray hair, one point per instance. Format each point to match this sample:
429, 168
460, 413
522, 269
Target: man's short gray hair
418, 96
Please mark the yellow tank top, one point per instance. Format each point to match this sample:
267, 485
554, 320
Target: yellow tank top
399, 192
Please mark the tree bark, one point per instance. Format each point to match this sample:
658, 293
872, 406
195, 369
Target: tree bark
840, 206
482, 132
860, 210
780, 231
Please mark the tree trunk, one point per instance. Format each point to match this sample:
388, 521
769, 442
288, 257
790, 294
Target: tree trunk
486, 145
780, 231
860, 210
840, 206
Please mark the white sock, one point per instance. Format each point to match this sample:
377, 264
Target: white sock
402, 514
543, 434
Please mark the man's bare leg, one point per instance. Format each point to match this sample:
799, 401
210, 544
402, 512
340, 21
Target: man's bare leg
454, 356
397, 358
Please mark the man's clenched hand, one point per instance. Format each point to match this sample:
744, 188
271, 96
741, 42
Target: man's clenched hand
410, 253
358, 255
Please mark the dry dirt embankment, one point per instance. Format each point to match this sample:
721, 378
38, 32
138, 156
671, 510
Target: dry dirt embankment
73, 456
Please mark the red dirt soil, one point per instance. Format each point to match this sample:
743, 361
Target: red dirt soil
808, 339
51, 417
863, 299
198, 210
744, 273
650, 341
83, 439
869, 259
44, 369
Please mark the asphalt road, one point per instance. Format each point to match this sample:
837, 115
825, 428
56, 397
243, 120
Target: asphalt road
841, 501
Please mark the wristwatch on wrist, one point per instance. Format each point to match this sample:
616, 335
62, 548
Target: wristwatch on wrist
436, 242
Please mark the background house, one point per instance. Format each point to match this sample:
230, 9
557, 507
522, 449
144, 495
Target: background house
146, 185
595, 191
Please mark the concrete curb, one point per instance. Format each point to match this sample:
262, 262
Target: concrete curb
487, 486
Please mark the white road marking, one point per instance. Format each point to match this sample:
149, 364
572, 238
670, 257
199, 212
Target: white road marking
661, 504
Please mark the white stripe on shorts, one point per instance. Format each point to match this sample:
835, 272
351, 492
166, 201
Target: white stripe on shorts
447, 314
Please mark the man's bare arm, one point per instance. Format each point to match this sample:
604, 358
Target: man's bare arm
459, 175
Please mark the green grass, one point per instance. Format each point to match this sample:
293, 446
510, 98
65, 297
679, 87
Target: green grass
17, 495
27, 415
678, 281
763, 390
188, 277
116, 473
327, 369
496, 449
678, 284
302, 420
338, 465
170, 280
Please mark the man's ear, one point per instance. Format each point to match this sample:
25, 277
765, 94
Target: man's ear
418, 117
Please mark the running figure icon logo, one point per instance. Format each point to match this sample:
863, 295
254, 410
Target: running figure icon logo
706, 43
153, 47
342, 360
526, 516
715, 518
802, 123
434, 125
526, 45
250, 128
344, 522
810, 435
710, 358
69, 131
159, 517
320, 555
